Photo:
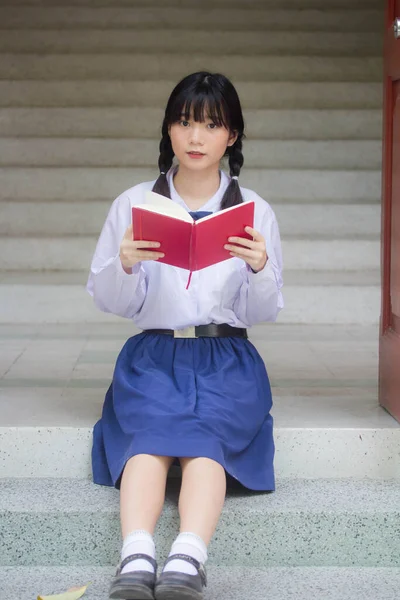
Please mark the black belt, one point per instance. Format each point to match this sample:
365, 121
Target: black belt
210, 330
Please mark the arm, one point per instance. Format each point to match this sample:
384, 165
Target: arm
114, 289
259, 298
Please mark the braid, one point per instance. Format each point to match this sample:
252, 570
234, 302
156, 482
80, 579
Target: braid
164, 163
236, 159
232, 194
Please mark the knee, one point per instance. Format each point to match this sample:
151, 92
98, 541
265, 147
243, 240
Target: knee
146, 460
200, 462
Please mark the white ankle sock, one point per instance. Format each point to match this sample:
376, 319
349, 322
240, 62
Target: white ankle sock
138, 542
191, 544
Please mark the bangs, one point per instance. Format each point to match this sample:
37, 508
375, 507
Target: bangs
203, 104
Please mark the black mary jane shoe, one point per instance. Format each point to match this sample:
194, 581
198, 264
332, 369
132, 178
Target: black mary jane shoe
173, 585
136, 585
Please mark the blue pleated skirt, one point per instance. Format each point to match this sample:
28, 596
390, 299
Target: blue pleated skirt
206, 397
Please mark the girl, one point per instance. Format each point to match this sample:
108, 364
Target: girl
191, 386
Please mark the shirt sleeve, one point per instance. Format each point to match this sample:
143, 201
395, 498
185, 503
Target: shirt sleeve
260, 298
113, 290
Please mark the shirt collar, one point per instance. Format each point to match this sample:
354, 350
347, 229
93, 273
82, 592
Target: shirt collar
212, 204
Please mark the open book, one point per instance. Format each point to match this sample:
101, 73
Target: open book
186, 243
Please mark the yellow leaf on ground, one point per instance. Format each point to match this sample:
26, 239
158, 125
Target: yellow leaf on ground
71, 594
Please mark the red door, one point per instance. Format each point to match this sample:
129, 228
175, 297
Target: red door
389, 350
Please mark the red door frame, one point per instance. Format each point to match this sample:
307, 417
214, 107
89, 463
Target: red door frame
389, 354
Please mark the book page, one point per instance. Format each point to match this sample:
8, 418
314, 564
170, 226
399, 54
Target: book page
223, 211
160, 210
165, 206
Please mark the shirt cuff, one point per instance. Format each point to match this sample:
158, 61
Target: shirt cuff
120, 269
267, 272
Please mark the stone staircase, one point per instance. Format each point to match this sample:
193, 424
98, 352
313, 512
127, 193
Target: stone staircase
330, 529
297, 542
82, 91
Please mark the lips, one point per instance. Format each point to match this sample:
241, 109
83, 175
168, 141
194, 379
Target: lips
197, 153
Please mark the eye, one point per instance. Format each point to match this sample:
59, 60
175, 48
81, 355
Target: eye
182, 122
212, 126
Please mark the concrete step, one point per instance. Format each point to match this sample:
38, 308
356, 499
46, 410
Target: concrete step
77, 183
85, 520
65, 17
310, 297
271, 154
152, 67
324, 378
44, 450
235, 583
172, 40
331, 221
141, 122
257, 4
68, 253
280, 95
84, 218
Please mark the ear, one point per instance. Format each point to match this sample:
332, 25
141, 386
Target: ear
232, 138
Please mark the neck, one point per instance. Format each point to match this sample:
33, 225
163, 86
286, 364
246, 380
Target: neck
196, 187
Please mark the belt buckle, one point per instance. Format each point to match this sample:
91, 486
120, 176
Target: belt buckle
187, 332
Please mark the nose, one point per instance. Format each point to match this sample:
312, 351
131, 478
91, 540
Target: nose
196, 135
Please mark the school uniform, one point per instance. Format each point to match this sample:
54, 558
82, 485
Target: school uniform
187, 397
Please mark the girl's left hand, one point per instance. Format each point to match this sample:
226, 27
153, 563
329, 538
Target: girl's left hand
253, 251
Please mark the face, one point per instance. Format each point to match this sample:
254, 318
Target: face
199, 145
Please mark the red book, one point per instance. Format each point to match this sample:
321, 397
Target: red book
186, 243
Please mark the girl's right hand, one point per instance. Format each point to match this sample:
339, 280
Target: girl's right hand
132, 251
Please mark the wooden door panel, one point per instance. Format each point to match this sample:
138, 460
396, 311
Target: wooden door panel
389, 355
395, 233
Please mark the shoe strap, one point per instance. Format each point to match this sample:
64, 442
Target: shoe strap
133, 557
199, 566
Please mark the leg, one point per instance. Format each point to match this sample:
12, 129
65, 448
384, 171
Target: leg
202, 496
143, 492
200, 503
142, 498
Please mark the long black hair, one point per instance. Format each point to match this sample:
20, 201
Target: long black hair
198, 92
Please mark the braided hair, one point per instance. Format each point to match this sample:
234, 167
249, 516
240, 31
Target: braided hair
198, 92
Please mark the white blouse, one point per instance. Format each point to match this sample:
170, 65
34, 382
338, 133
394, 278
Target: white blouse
155, 294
